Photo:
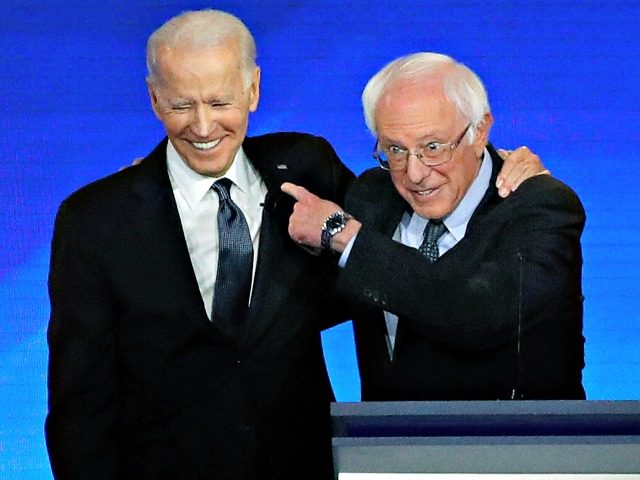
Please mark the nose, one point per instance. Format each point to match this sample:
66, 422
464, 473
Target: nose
416, 170
203, 121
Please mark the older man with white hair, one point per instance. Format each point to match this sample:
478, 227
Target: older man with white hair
185, 324
459, 294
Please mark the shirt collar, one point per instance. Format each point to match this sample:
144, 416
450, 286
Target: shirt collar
194, 186
457, 221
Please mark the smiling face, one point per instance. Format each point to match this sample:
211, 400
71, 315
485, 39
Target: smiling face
203, 101
413, 113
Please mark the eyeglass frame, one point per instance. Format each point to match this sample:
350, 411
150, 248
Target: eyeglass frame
449, 147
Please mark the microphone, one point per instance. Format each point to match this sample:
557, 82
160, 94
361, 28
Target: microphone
271, 201
516, 393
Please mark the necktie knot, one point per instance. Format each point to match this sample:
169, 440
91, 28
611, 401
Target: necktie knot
223, 188
432, 233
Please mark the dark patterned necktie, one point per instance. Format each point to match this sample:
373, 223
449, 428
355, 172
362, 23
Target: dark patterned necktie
432, 233
235, 265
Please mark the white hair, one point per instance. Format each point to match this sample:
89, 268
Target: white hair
461, 86
199, 29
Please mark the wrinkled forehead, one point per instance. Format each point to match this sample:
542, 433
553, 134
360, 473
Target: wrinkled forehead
417, 106
181, 63
410, 94
185, 52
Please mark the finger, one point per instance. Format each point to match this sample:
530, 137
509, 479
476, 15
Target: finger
520, 173
517, 178
519, 165
529, 164
524, 156
512, 184
506, 169
504, 153
136, 161
515, 172
294, 190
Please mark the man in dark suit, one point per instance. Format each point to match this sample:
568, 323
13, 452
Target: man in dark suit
149, 376
145, 380
461, 294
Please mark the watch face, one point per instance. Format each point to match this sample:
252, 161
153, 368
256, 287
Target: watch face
335, 222
333, 225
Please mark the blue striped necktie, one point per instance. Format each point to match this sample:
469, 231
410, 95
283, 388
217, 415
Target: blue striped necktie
235, 266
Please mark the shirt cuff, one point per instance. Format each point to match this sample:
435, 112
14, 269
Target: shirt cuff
345, 253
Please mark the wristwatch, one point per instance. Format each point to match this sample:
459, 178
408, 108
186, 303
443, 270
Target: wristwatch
333, 225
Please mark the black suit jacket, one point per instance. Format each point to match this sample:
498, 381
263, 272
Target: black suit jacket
498, 316
141, 383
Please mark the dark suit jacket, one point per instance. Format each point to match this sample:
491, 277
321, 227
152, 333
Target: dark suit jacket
497, 316
141, 384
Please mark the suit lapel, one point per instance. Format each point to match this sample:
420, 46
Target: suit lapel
491, 196
162, 238
161, 235
277, 269
390, 205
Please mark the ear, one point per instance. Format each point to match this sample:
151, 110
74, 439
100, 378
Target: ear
482, 134
254, 93
153, 96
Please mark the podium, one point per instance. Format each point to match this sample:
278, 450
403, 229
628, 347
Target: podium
501, 440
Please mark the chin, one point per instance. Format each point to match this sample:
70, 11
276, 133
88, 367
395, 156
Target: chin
210, 168
430, 211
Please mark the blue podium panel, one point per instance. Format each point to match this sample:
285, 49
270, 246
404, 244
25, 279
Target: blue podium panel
568, 437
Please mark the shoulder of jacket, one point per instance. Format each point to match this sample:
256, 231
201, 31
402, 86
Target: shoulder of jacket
282, 139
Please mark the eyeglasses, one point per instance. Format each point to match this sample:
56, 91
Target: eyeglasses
432, 154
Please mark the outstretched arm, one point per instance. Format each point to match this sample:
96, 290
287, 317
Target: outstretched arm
309, 214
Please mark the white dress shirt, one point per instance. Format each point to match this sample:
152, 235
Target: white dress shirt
198, 209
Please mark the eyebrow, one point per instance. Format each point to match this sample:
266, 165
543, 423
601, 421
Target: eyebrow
426, 139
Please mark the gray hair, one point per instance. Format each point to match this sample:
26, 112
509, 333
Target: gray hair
199, 29
461, 86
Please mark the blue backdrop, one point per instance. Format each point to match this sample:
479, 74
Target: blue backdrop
562, 78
